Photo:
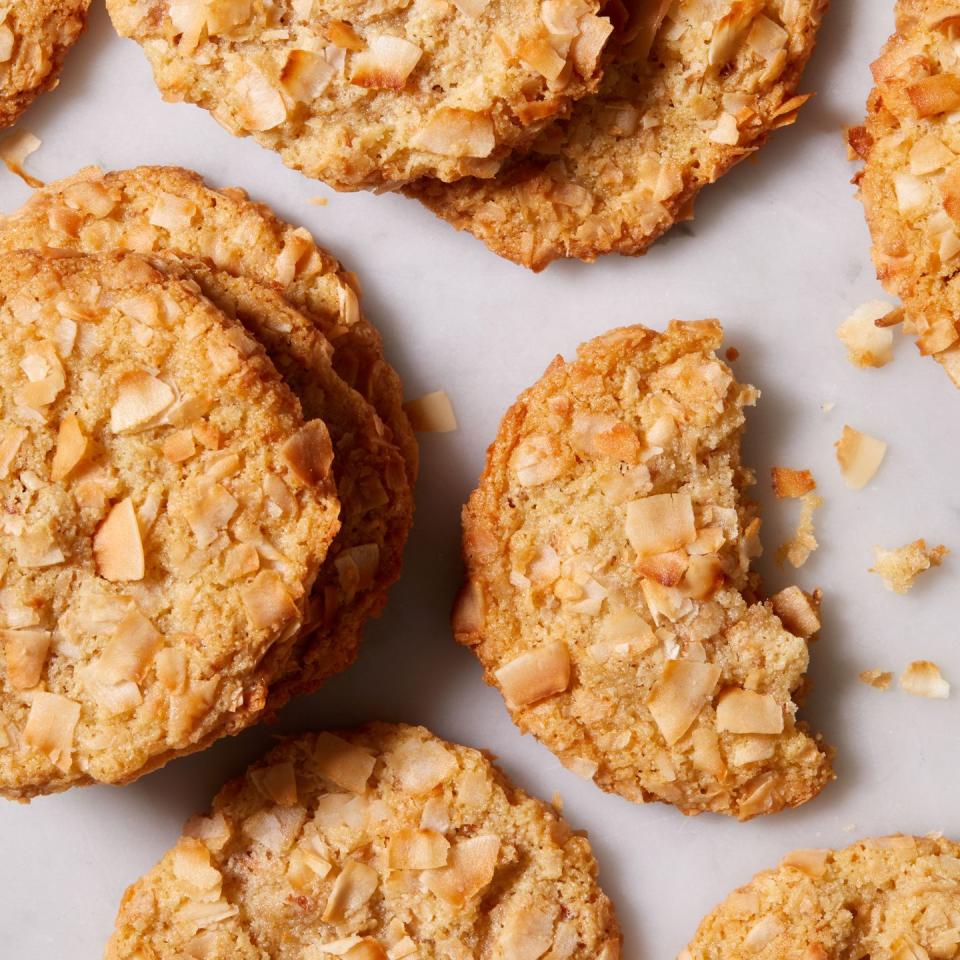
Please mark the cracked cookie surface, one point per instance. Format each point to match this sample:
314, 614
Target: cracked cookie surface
609, 594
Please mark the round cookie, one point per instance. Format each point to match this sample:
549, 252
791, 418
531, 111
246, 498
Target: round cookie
609, 594
149, 588
910, 185
666, 122
381, 841
34, 39
376, 507
375, 95
166, 209
893, 898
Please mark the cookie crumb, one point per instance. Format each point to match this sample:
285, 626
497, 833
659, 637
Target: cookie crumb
859, 456
878, 679
868, 343
899, 568
318, 201
789, 483
432, 413
923, 679
798, 549
732, 354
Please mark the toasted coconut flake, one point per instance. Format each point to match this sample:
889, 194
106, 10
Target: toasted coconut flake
258, 102
899, 568
386, 63
200, 914
306, 75
868, 345
470, 869
588, 44
172, 213
798, 549
10, 443
454, 132
356, 884
811, 862
704, 577
536, 460
471, 8
213, 831
667, 569
179, 446
278, 782
71, 448
50, 728
130, 650
15, 149
797, 611
25, 652
210, 513
936, 94
923, 679
342, 35
535, 675
431, 413
878, 679
468, 613
277, 828
791, 483
762, 933
141, 398
267, 601
117, 546
660, 523
626, 626
342, 763
309, 453
930, 154
420, 767
859, 456
744, 711
412, 849
191, 864
537, 53
682, 691
306, 867
730, 30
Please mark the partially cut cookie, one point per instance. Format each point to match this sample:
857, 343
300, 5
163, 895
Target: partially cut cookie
609, 594
167, 209
910, 184
382, 842
893, 898
35, 36
375, 95
149, 588
698, 88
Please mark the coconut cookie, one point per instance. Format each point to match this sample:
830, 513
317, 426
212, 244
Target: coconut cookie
34, 39
149, 584
893, 898
167, 209
374, 843
375, 96
910, 185
376, 506
609, 594
666, 122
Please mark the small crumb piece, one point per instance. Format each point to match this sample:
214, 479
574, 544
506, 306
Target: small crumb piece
732, 354
798, 549
797, 611
868, 344
318, 201
791, 483
878, 679
900, 567
923, 679
431, 413
827, 406
859, 456
14, 151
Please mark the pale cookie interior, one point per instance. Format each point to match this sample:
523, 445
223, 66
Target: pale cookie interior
379, 843
610, 596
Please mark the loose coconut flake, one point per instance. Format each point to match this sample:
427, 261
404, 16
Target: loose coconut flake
867, 343
859, 456
789, 483
15, 149
798, 549
923, 679
878, 679
431, 413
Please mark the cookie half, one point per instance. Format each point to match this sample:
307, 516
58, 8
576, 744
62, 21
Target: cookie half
910, 185
375, 96
148, 585
382, 842
34, 39
609, 594
164, 209
376, 506
893, 898
667, 121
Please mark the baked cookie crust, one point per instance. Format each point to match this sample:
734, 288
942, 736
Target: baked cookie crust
609, 594
379, 842
667, 120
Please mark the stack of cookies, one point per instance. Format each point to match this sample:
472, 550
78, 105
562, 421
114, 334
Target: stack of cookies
548, 128
205, 470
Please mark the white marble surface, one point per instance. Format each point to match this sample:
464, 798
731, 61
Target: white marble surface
779, 252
